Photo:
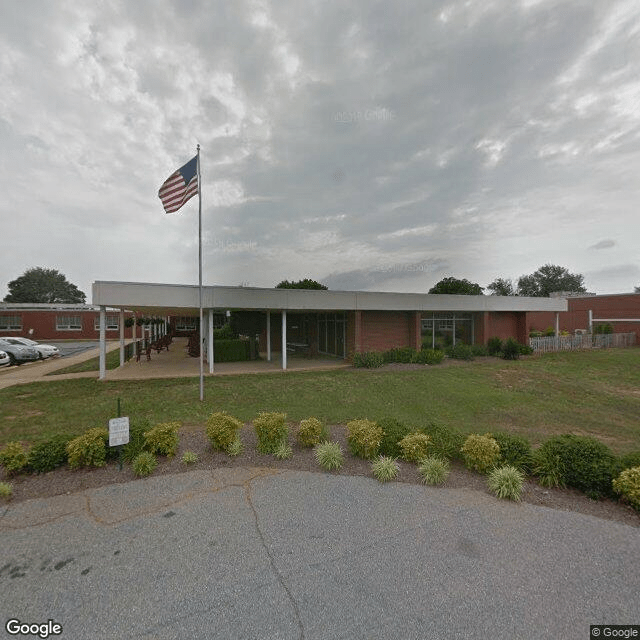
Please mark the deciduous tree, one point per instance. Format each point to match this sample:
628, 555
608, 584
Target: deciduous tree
40, 285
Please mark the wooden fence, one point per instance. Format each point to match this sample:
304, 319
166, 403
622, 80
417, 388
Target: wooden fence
585, 341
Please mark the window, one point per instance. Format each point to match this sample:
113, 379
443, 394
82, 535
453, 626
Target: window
446, 328
68, 323
188, 323
10, 323
112, 323
331, 333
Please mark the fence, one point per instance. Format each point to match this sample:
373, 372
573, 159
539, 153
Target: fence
585, 341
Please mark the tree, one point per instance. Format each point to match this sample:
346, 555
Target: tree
502, 287
39, 285
550, 278
457, 287
301, 284
636, 289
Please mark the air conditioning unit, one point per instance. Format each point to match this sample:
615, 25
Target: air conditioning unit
581, 332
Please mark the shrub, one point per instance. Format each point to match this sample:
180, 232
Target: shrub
511, 349
415, 446
547, 466
162, 439
385, 468
392, 432
399, 354
629, 460
446, 442
50, 454
364, 438
461, 351
329, 455
14, 458
627, 484
368, 360
6, 490
89, 449
234, 350
283, 451
583, 463
271, 430
428, 356
311, 432
494, 346
189, 457
479, 350
506, 482
144, 464
526, 350
136, 440
480, 453
514, 450
434, 470
222, 430
235, 448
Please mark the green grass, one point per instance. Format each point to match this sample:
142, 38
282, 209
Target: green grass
584, 393
93, 364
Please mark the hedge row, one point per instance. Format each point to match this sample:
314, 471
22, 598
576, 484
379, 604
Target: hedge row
567, 460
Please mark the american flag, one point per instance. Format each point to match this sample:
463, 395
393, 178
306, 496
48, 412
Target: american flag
180, 186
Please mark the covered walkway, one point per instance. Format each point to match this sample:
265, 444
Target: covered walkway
177, 363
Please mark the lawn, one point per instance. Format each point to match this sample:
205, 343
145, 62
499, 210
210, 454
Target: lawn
589, 393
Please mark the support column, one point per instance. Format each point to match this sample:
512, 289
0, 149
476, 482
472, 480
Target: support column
269, 336
557, 324
103, 342
284, 339
357, 330
210, 344
121, 336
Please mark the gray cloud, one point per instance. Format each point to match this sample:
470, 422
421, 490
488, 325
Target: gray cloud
603, 244
481, 140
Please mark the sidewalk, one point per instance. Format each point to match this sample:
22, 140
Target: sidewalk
175, 363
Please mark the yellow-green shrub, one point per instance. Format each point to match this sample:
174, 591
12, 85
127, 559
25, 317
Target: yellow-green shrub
480, 453
364, 438
627, 484
222, 430
162, 439
89, 449
271, 430
310, 432
13, 457
415, 447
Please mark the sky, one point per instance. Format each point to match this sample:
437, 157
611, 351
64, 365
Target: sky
368, 145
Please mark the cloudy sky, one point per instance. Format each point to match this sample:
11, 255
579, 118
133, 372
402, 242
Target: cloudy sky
369, 145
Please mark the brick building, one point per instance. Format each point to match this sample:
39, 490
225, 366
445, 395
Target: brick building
605, 309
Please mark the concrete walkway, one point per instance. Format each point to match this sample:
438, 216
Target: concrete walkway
246, 553
175, 363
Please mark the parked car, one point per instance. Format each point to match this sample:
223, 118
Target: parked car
4, 358
19, 353
45, 350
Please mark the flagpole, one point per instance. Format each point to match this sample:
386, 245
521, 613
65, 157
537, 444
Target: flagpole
200, 278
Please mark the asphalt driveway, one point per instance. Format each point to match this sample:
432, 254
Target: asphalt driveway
267, 554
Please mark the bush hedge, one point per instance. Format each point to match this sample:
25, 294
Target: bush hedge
222, 430
480, 453
50, 454
89, 449
231, 350
162, 439
364, 438
14, 458
392, 432
271, 430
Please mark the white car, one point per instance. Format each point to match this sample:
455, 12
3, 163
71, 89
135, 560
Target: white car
44, 350
4, 358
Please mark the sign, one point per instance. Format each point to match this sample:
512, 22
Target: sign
118, 431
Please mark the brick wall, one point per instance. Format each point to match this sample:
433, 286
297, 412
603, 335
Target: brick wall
42, 325
577, 317
382, 330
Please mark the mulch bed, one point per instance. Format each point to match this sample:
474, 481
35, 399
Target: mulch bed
64, 481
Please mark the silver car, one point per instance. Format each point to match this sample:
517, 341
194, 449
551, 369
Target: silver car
45, 350
18, 353
4, 358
